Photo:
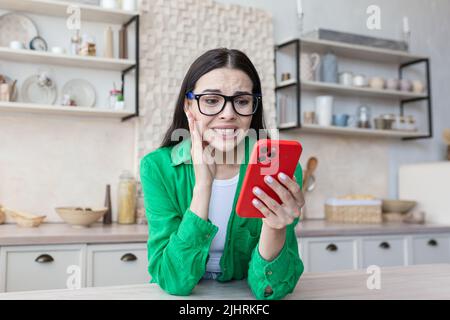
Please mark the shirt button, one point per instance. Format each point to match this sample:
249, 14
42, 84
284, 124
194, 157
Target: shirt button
269, 273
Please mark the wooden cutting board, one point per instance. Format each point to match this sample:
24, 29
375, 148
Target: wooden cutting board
429, 185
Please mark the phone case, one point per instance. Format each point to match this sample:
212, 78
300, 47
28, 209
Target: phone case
269, 157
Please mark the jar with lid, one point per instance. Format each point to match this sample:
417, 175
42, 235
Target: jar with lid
127, 198
411, 123
75, 44
88, 47
363, 117
114, 96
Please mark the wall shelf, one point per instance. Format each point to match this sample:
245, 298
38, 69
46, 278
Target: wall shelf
91, 13
357, 91
359, 51
360, 132
340, 49
31, 56
59, 9
62, 110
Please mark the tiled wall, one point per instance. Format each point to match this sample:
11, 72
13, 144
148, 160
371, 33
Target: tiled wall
173, 34
347, 165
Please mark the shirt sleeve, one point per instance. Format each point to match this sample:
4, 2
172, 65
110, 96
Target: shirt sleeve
273, 280
178, 245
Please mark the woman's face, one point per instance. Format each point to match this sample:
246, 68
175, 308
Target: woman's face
225, 130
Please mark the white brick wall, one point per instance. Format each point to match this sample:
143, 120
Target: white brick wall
173, 34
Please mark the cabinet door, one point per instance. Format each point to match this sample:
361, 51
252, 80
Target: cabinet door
427, 249
383, 251
121, 264
42, 267
322, 255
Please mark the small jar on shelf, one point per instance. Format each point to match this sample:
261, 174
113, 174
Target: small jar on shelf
116, 100
127, 199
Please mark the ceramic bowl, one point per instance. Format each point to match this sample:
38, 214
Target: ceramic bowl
80, 217
2, 215
24, 219
401, 206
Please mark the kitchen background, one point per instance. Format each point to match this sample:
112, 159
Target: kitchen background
49, 159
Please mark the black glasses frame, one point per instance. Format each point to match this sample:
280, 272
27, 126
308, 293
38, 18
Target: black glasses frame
190, 95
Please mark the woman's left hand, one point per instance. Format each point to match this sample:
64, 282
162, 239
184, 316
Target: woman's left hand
278, 216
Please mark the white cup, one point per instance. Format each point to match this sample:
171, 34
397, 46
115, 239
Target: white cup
58, 50
324, 110
110, 4
16, 45
346, 78
129, 5
418, 86
360, 80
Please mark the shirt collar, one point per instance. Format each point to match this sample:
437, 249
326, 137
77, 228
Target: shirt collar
181, 152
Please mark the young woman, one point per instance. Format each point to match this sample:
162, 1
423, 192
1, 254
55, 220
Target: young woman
191, 188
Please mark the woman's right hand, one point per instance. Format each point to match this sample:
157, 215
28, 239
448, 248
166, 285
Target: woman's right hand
202, 154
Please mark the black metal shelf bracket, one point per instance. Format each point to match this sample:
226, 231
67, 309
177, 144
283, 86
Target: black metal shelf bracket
134, 67
296, 43
427, 98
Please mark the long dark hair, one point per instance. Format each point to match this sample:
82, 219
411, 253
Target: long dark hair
210, 60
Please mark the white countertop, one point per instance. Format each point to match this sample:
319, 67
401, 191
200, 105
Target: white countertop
413, 282
61, 233
323, 228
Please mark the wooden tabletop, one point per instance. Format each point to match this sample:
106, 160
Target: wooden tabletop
413, 282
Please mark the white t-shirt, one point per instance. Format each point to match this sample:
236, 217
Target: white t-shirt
220, 206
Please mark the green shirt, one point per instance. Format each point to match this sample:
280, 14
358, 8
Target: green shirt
179, 241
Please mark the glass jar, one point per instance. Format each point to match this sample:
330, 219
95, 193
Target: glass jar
411, 123
75, 44
126, 198
363, 117
114, 96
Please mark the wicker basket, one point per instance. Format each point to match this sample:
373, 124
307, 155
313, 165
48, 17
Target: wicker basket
353, 211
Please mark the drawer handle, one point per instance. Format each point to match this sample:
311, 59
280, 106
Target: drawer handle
332, 247
385, 245
432, 243
128, 257
44, 258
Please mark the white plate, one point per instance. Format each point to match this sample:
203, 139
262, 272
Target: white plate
34, 93
81, 91
16, 27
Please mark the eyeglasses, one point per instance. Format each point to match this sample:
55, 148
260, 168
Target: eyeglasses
213, 104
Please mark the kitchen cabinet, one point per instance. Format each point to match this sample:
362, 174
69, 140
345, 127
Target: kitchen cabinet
330, 254
42, 267
117, 264
430, 249
39, 267
324, 254
383, 251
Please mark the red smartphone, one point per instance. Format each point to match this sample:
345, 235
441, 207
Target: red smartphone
269, 157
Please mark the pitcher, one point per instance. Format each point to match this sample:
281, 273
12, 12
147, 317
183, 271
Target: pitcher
329, 68
308, 66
